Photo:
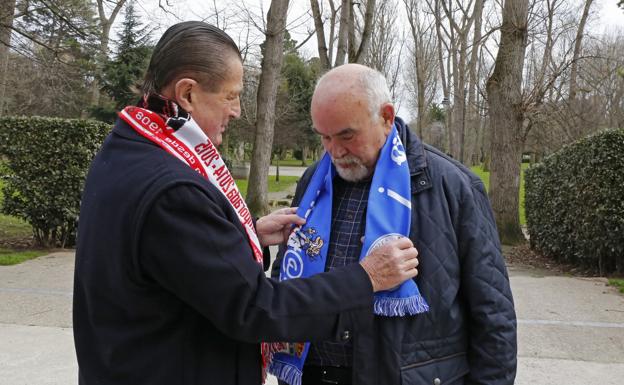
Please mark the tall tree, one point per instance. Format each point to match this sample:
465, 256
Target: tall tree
51, 57
577, 50
384, 52
423, 78
358, 52
257, 192
504, 93
473, 119
354, 31
105, 24
343, 32
292, 127
122, 74
7, 10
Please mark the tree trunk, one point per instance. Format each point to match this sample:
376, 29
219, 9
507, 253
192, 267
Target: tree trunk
7, 9
577, 51
304, 154
343, 33
351, 43
504, 90
473, 79
366, 33
320, 36
267, 94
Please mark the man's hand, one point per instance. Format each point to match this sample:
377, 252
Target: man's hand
391, 264
273, 229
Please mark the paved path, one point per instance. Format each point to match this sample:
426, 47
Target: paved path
287, 170
571, 330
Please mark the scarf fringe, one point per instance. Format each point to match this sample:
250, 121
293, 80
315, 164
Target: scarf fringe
285, 372
399, 307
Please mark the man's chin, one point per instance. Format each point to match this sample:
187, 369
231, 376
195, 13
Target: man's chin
216, 141
353, 173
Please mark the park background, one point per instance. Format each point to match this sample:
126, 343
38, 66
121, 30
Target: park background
528, 94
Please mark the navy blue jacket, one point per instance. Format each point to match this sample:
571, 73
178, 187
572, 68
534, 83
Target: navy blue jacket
469, 334
166, 290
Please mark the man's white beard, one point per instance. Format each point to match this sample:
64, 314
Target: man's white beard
355, 173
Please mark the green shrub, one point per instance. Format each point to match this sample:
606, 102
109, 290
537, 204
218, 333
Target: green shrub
575, 203
47, 161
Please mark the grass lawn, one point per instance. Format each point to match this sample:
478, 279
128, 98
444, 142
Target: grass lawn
618, 283
10, 257
485, 177
12, 227
274, 186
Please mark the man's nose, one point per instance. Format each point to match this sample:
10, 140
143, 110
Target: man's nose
235, 110
336, 150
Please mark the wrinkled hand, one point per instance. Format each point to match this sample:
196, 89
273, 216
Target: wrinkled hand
391, 264
273, 229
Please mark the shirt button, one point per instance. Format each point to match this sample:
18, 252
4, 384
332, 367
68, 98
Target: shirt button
345, 335
437, 381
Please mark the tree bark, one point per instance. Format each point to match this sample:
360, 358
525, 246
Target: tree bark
367, 32
420, 53
7, 10
577, 50
267, 94
504, 91
473, 78
320, 36
351, 43
343, 33
443, 75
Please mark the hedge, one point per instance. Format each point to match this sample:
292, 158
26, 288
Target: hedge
575, 203
46, 164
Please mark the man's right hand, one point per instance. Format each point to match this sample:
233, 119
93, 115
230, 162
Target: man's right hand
391, 264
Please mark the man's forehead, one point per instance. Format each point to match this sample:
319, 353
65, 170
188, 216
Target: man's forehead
334, 131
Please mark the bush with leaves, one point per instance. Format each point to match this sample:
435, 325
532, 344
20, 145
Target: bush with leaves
47, 161
575, 203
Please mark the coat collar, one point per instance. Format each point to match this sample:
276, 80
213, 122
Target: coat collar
123, 129
416, 157
414, 147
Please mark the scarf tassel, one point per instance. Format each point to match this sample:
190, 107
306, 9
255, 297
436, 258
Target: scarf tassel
285, 372
399, 307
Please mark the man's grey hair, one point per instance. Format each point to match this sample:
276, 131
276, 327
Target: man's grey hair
375, 86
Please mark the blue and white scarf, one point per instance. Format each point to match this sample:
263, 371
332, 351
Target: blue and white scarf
388, 217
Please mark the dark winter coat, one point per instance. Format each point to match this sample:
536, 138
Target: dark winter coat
469, 334
166, 289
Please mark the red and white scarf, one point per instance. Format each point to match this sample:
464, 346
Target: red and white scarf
175, 131
189, 144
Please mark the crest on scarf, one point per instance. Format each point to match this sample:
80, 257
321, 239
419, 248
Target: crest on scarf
309, 241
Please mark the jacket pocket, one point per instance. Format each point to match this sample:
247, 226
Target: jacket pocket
447, 370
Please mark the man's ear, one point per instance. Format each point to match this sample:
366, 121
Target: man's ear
183, 91
388, 114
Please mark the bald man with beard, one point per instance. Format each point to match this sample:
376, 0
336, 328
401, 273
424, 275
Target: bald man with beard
468, 333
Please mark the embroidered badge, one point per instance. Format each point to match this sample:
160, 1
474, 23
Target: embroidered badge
308, 241
311, 243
